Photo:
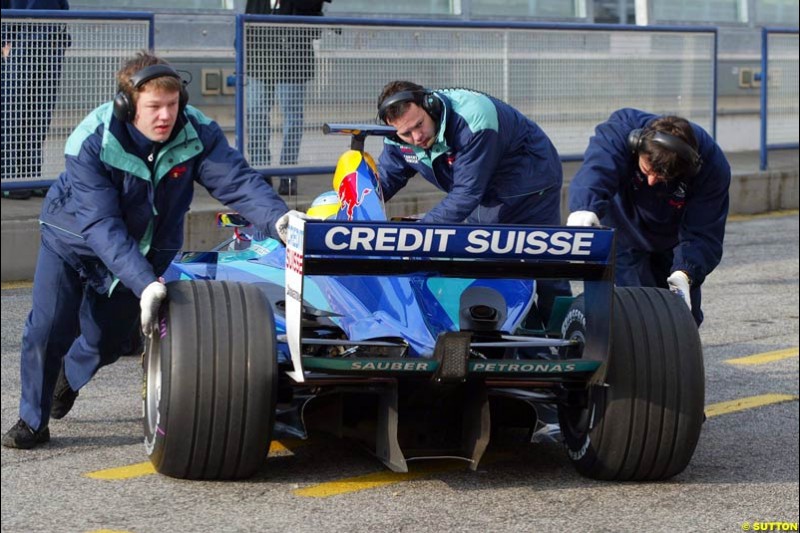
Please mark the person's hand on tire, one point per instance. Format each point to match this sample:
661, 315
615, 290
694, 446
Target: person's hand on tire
679, 283
152, 297
582, 218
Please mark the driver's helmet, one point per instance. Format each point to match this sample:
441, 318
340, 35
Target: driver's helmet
324, 206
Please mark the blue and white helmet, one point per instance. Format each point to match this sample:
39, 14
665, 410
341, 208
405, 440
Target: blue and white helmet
324, 206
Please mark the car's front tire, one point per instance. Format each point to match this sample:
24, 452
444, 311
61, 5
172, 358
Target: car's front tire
645, 421
210, 382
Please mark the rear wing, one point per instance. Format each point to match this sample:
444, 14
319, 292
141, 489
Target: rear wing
451, 250
358, 132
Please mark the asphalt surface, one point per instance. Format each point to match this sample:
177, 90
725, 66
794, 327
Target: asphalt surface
93, 475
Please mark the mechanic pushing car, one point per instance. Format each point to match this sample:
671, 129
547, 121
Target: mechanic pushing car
495, 164
110, 226
662, 182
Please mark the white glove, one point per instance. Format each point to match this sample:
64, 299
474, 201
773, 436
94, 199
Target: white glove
678, 283
282, 225
582, 218
152, 296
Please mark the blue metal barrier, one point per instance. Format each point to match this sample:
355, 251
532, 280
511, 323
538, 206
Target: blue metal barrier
780, 107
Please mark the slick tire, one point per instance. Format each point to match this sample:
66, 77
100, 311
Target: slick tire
210, 381
645, 423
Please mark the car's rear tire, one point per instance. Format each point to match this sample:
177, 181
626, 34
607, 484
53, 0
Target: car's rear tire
210, 382
645, 423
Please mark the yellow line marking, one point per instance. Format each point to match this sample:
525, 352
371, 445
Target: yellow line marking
376, 479
766, 357
277, 447
768, 214
384, 478
8, 285
146, 468
285, 446
751, 402
124, 472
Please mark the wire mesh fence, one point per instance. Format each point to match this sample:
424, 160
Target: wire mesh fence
298, 76
783, 115
56, 70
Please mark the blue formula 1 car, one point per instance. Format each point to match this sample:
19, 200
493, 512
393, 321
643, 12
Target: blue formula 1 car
410, 339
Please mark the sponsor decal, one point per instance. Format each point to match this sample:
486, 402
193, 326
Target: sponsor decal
349, 195
572, 316
294, 238
391, 365
576, 455
177, 172
428, 365
409, 155
294, 261
293, 294
677, 204
477, 241
521, 367
162, 323
678, 199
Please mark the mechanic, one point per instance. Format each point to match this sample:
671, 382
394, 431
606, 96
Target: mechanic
110, 226
662, 182
495, 164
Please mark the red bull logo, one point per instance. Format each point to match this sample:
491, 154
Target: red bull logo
349, 195
357, 187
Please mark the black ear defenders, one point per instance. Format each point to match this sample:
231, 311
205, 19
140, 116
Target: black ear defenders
425, 99
125, 109
670, 142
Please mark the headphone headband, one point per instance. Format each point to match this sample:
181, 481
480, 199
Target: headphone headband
670, 142
124, 107
423, 98
152, 72
416, 96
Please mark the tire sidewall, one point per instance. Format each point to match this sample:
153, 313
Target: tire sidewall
577, 424
155, 390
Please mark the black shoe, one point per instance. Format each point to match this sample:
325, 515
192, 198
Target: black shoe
23, 437
63, 397
135, 344
288, 186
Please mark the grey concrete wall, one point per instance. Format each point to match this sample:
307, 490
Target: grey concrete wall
20, 247
752, 192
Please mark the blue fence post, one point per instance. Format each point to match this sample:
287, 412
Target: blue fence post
764, 77
239, 97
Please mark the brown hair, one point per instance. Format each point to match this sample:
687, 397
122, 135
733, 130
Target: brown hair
138, 62
398, 109
664, 161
